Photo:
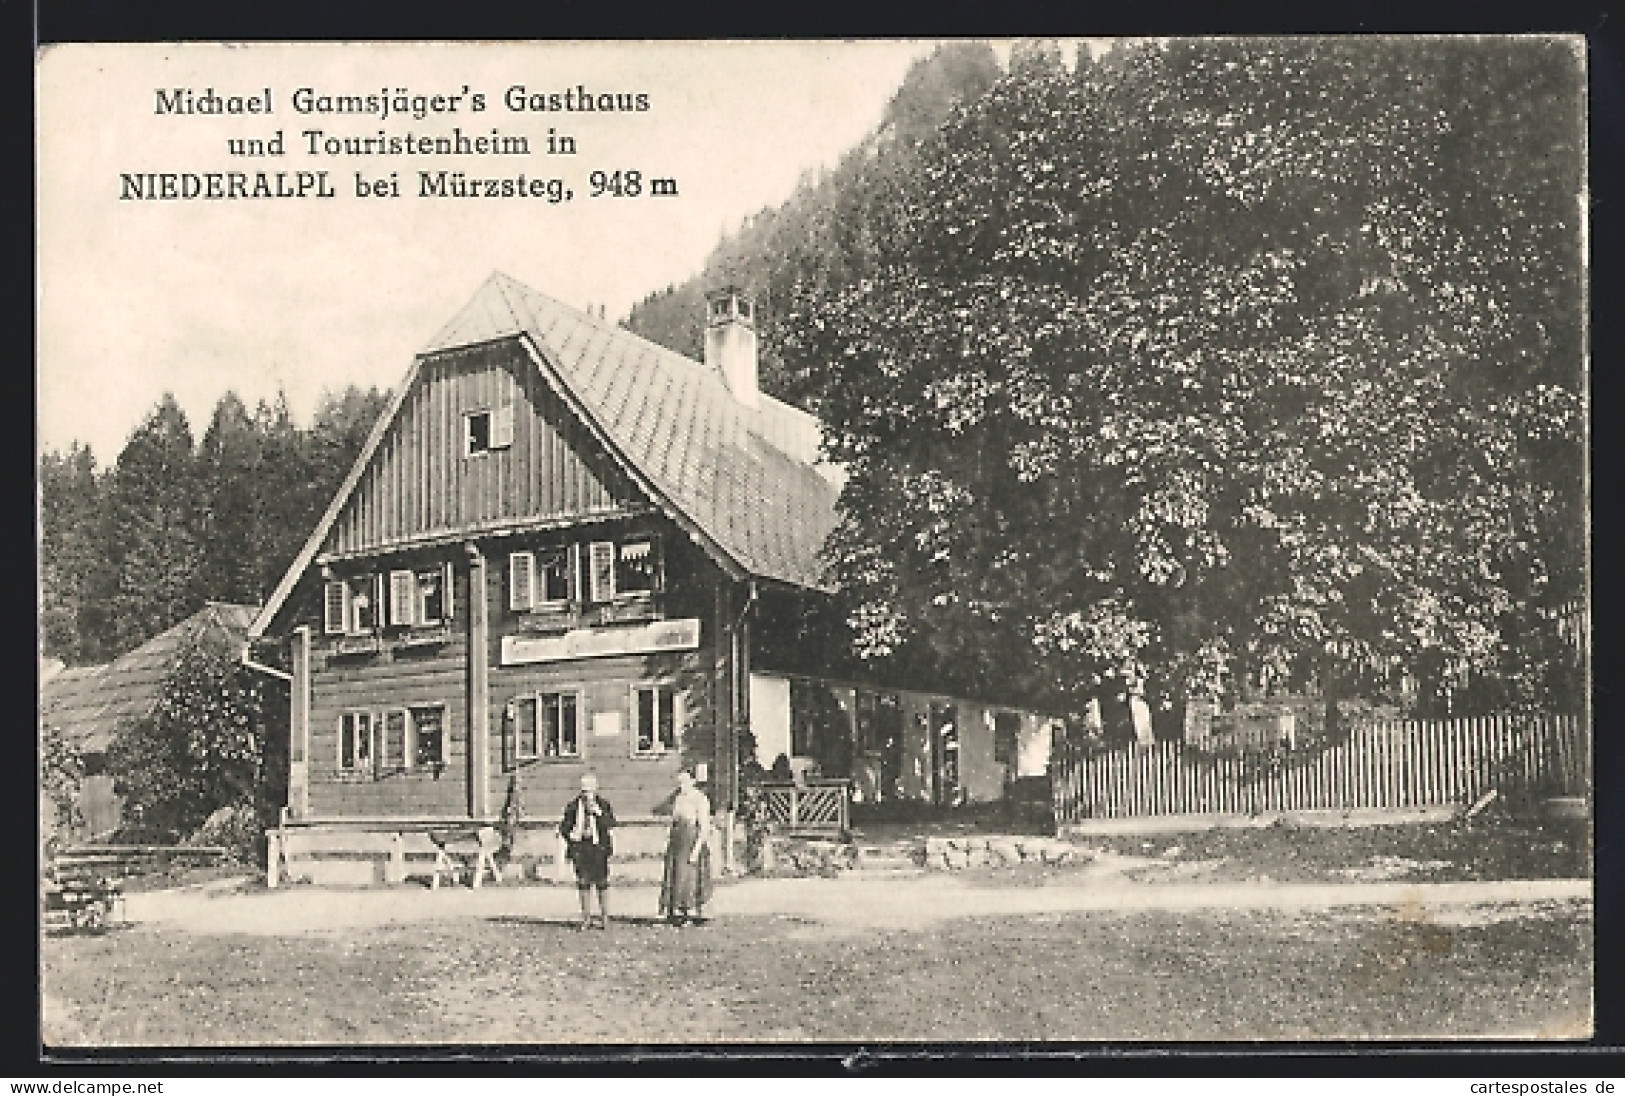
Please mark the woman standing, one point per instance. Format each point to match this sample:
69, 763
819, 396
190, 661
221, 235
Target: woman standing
587, 826
686, 885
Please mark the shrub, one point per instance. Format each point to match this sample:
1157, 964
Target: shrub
236, 828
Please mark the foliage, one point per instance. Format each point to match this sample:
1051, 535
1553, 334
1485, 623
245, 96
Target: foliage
200, 749
127, 553
236, 827
1221, 361
152, 532
70, 506
62, 777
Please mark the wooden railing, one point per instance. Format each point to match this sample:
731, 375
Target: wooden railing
817, 806
1384, 765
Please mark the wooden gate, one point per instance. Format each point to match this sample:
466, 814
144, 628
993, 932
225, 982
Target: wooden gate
818, 806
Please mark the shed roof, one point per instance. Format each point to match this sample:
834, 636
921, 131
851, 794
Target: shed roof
88, 703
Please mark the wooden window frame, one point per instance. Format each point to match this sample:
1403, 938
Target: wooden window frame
352, 625
521, 561
469, 452
382, 762
659, 750
335, 624
404, 597
570, 554
601, 592
657, 581
412, 760
356, 769
539, 699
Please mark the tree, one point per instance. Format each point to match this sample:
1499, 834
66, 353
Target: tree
199, 750
230, 537
342, 424
70, 557
62, 777
287, 502
1220, 361
152, 544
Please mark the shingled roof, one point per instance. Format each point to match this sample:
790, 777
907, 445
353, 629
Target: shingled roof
747, 479
88, 703
745, 476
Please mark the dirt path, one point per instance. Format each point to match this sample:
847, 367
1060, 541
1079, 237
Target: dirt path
893, 902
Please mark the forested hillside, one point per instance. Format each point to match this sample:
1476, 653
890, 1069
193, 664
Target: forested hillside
828, 232
131, 550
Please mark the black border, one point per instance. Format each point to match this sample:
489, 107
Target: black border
309, 20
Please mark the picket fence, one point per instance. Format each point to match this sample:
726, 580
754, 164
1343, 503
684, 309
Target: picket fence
1380, 765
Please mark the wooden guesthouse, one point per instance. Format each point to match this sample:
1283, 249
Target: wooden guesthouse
552, 554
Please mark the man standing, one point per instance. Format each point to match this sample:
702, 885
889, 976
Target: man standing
586, 827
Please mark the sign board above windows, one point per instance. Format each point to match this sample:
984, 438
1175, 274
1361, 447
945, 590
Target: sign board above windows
660, 635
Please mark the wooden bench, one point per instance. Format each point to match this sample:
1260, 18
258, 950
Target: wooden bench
455, 856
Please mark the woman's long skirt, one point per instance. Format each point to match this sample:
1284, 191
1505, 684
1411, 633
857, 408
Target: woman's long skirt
685, 885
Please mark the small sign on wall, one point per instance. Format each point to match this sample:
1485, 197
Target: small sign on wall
606, 724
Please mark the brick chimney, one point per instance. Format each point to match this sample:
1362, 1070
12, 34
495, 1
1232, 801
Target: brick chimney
730, 341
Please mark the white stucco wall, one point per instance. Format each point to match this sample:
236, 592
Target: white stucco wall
770, 717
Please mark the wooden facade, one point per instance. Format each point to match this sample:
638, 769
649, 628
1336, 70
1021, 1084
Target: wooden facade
561, 550
423, 505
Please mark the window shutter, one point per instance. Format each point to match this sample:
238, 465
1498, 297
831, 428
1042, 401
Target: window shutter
502, 427
521, 580
403, 597
574, 579
335, 605
510, 737
601, 575
449, 584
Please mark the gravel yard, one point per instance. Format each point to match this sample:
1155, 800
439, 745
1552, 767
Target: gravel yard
832, 969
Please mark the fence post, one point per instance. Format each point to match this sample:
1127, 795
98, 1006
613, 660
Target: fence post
273, 858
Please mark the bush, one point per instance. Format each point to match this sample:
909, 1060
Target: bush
236, 828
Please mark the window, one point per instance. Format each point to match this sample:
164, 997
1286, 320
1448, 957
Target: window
420, 597
630, 568
434, 595
636, 567
542, 579
476, 433
395, 740
654, 719
545, 725
1006, 727
428, 736
486, 430
555, 577
355, 742
392, 744
601, 576
350, 606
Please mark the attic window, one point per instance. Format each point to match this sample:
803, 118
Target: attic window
486, 430
476, 433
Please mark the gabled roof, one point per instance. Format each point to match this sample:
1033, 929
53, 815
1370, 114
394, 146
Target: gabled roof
744, 479
88, 703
